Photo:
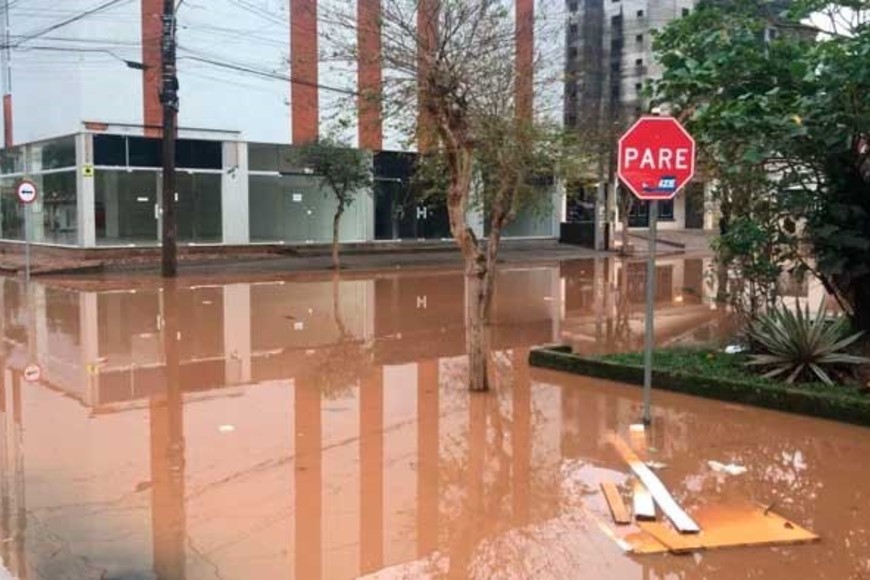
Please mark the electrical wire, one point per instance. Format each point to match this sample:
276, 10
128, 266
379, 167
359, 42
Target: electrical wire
66, 22
267, 74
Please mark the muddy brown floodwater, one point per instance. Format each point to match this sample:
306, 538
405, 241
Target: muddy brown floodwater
296, 428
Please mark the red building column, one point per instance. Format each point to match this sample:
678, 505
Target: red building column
304, 103
370, 75
525, 39
152, 29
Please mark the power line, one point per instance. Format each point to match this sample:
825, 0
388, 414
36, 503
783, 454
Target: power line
267, 74
72, 19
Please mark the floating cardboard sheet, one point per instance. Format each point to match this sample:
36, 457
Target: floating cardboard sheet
731, 526
650, 480
614, 502
643, 543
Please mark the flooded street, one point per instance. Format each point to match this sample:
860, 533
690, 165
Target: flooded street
307, 428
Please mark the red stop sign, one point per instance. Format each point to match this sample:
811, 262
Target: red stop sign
656, 158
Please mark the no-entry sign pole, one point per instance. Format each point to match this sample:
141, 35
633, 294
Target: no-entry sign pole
26, 195
656, 159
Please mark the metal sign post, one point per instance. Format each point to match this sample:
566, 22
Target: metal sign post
656, 159
649, 342
27, 193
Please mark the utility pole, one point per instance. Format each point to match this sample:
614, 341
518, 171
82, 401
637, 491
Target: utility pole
169, 99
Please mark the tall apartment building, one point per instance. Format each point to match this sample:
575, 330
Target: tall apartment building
82, 119
609, 61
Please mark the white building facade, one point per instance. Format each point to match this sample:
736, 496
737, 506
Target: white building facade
82, 120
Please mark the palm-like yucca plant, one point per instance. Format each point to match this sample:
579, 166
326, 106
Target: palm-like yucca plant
801, 345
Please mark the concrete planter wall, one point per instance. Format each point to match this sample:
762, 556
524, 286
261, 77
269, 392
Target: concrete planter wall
848, 407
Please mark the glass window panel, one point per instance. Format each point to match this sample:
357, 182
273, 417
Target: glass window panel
198, 154
12, 226
54, 154
124, 208
110, 150
12, 160
145, 152
55, 220
265, 208
262, 157
198, 208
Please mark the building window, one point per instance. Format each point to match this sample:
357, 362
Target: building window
638, 62
638, 38
572, 53
120, 151
640, 13
572, 7
572, 30
616, 21
638, 87
686, 12
666, 209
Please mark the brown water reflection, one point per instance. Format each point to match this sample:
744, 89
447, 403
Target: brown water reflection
292, 432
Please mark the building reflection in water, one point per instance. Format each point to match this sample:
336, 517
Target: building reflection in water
309, 428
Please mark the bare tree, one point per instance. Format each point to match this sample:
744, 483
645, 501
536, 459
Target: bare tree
456, 63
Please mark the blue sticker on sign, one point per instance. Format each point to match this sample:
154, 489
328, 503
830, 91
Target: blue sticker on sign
667, 184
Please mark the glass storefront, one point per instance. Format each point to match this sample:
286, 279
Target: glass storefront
287, 205
128, 190
297, 209
125, 208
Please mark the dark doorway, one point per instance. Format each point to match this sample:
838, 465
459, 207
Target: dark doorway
400, 214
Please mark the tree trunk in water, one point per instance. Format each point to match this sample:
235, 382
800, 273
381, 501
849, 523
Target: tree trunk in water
336, 222
476, 331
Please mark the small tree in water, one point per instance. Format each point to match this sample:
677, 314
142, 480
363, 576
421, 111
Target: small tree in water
345, 171
457, 77
459, 65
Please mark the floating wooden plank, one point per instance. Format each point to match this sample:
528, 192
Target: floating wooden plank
644, 508
732, 526
637, 439
614, 501
657, 489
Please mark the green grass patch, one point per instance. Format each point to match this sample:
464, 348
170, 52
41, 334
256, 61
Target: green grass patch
711, 363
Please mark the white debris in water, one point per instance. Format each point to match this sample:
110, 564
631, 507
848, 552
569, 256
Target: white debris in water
655, 465
734, 349
227, 428
730, 469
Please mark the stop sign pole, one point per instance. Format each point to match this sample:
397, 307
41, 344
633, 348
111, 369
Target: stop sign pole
656, 160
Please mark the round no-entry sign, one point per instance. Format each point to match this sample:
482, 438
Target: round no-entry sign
27, 191
656, 158
32, 373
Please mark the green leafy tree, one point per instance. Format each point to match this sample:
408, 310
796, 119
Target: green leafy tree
780, 114
347, 173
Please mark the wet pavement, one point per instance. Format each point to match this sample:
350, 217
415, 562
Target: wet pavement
307, 428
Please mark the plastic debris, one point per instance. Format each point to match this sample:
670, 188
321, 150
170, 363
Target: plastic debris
730, 469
